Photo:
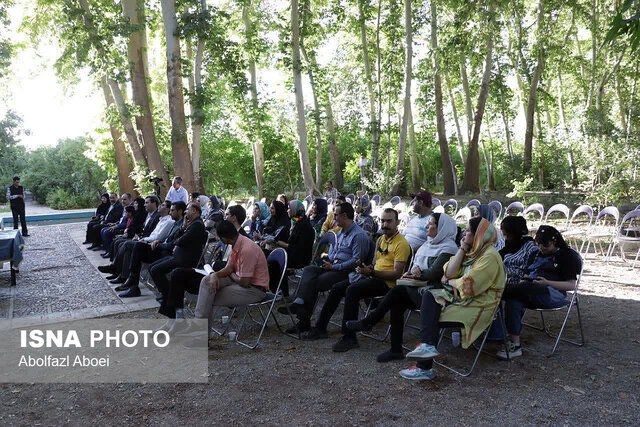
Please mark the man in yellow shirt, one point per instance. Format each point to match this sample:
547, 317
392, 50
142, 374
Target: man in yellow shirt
391, 255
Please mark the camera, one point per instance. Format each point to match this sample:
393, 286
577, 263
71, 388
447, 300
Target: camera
155, 180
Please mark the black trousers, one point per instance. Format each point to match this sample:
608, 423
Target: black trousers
90, 225
352, 293
122, 259
159, 270
314, 280
94, 233
143, 253
18, 211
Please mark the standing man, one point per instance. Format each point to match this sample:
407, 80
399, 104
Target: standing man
178, 193
15, 195
331, 193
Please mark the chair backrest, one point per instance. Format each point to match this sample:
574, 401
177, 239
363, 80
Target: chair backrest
351, 198
404, 218
497, 206
536, 207
435, 202
558, 208
611, 211
628, 217
232, 203
376, 197
308, 199
387, 205
463, 215
279, 256
394, 200
475, 203
401, 207
438, 209
514, 206
583, 210
453, 203
263, 200
637, 208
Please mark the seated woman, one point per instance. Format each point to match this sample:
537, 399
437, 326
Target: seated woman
277, 229
363, 217
472, 286
519, 249
318, 214
260, 217
101, 212
134, 227
299, 247
426, 272
215, 214
552, 273
487, 212
204, 205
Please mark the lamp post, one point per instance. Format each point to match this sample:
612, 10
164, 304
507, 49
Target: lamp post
362, 162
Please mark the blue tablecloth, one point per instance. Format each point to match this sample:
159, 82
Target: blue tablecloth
11, 245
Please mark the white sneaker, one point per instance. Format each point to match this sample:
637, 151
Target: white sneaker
416, 374
423, 351
514, 351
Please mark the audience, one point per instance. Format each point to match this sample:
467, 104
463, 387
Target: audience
115, 213
472, 286
487, 212
143, 224
259, 219
216, 212
547, 279
318, 214
276, 229
416, 230
331, 193
349, 251
391, 255
330, 224
363, 217
101, 213
177, 193
519, 249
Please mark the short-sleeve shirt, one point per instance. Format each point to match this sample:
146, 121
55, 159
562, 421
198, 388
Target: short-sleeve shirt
248, 260
179, 195
388, 252
416, 230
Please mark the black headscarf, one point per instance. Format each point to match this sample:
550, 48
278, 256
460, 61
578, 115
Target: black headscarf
547, 233
138, 218
281, 218
320, 214
103, 208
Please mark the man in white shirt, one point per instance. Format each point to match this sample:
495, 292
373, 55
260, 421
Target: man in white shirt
164, 224
177, 192
416, 230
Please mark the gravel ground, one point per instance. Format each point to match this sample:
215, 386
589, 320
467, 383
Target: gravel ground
286, 381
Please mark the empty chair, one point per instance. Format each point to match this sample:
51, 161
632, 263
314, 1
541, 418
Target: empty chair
627, 235
394, 200
475, 203
574, 231
376, 197
435, 202
463, 215
604, 229
559, 209
497, 206
514, 206
454, 205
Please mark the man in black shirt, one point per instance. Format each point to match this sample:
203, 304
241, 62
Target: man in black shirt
15, 195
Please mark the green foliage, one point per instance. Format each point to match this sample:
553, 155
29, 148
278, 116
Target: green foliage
626, 27
12, 156
520, 188
64, 167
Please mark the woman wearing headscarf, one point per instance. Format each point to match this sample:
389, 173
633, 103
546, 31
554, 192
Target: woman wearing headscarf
101, 212
363, 217
204, 205
277, 228
487, 212
259, 219
426, 272
299, 247
319, 214
473, 283
519, 248
545, 283
216, 214
134, 226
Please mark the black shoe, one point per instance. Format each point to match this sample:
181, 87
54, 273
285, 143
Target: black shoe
86, 242
25, 234
122, 287
130, 293
345, 344
315, 334
97, 248
293, 308
113, 276
388, 356
118, 280
93, 246
105, 255
110, 268
358, 325
302, 326
160, 299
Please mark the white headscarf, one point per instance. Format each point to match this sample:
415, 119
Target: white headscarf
444, 242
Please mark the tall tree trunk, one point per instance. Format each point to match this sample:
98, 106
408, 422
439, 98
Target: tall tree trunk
402, 144
257, 147
565, 127
415, 172
461, 148
507, 131
378, 81
182, 165
533, 90
471, 181
134, 10
334, 155
445, 156
316, 115
129, 131
125, 183
375, 137
488, 158
468, 108
305, 164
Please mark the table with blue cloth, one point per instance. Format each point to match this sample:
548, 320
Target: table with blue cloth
11, 245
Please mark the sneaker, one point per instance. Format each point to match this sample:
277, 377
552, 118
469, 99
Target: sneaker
423, 351
388, 356
514, 351
182, 327
358, 326
345, 344
315, 334
416, 374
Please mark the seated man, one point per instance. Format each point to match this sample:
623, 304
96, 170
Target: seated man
120, 265
391, 254
101, 213
113, 216
108, 234
188, 279
416, 230
150, 252
186, 251
349, 251
140, 227
244, 280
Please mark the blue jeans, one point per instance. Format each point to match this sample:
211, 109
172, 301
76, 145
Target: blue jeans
523, 296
